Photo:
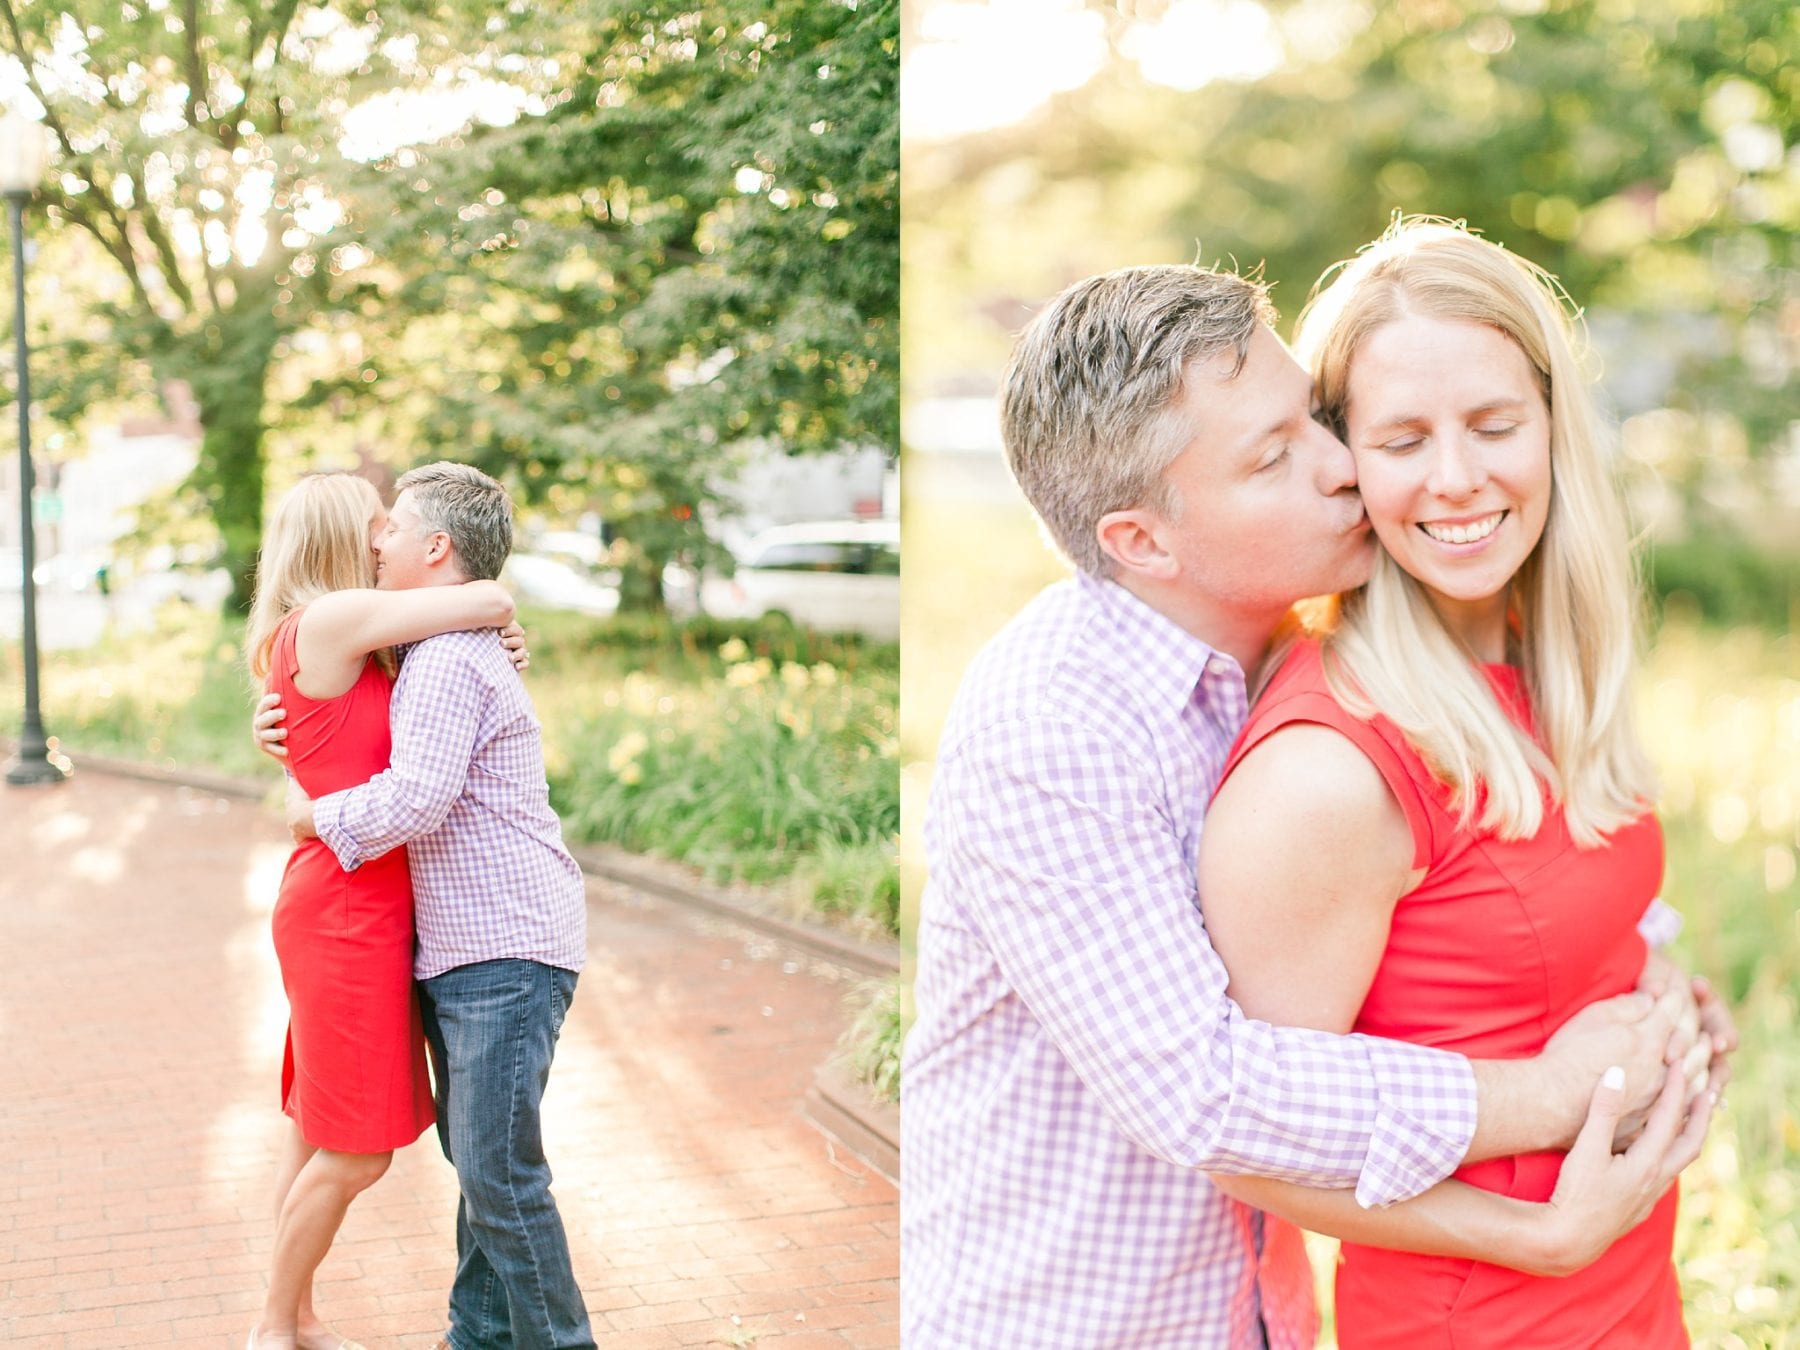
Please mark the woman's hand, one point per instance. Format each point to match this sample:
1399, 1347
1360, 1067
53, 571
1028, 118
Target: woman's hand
512, 637
266, 729
1601, 1195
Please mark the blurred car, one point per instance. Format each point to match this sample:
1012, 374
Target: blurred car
69, 571
835, 576
164, 573
576, 546
554, 584
204, 588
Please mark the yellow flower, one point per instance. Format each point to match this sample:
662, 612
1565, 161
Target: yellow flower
640, 693
825, 673
631, 773
749, 673
625, 751
734, 651
794, 675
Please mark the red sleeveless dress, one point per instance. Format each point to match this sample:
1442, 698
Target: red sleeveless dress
354, 1076
1499, 945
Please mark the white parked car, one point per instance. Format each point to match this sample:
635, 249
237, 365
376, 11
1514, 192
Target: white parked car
835, 576
555, 584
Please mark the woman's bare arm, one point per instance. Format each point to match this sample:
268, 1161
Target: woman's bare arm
337, 631
1599, 1197
1303, 856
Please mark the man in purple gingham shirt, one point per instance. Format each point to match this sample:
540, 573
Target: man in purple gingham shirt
1077, 1065
501, 911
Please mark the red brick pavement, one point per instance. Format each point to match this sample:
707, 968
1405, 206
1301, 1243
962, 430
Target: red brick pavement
141, 1021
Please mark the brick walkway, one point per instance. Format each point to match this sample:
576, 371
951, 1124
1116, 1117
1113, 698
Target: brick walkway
141, 1022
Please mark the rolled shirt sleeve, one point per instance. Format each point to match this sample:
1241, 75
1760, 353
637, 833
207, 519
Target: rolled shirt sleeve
436, 719
1064, 852
1660, 925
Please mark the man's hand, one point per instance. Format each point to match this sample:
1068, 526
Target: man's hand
299, 814
1632, 1031
1601, 1195
266, 729
512, 637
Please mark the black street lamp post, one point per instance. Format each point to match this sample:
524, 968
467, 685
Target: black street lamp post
21, 165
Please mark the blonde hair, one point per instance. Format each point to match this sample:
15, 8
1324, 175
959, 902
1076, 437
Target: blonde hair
1089, 404
1575, 596
317, 541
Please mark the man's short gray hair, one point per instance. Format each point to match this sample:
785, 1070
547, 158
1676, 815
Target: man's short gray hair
1088, 409
470, 507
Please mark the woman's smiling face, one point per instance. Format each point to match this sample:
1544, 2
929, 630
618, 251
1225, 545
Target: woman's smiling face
1451, 433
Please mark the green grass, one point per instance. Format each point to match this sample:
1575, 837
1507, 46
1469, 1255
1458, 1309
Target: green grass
874, 1041
179, 696
1721, 717
758, 752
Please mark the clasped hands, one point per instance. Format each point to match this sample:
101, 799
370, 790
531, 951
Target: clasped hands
1661, 1056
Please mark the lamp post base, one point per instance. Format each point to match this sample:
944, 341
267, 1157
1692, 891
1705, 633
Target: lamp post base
32, 765
33, 772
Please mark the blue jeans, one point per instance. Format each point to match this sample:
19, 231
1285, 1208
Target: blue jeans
492, 1027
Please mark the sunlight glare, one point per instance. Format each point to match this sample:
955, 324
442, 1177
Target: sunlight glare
262, 877
1198, 41
249, 239
65, 827
378, 126
316, 213
218, 241
338, 46
982, 66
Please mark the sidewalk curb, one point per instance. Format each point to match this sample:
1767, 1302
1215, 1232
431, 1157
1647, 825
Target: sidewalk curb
842, 1108
220, 785
630, 869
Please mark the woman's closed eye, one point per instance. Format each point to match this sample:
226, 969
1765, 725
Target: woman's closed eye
1400, 444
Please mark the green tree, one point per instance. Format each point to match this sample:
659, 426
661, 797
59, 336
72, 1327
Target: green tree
199, 144
694, 247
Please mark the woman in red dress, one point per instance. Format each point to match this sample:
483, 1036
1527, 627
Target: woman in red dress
1455, 753
354, 1081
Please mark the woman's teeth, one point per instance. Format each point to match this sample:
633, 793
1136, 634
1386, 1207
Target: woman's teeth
1464, 534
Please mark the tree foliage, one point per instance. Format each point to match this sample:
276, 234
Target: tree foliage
194, 148
560, 269
694, 249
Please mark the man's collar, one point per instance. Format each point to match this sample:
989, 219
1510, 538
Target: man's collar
1161, 659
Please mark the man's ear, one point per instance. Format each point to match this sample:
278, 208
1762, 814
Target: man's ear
438, 547
1133, 540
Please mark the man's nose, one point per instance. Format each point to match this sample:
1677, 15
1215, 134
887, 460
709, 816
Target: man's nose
1336, 466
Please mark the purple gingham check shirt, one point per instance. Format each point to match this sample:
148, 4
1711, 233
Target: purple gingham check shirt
1076, 1062
466, 791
